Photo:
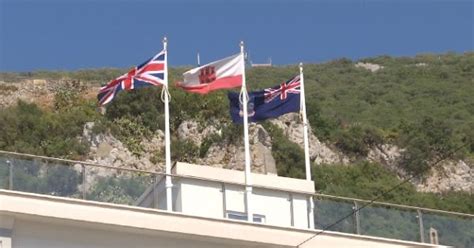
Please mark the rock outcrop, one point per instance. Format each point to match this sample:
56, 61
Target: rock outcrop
453, 175
319, 152
107, 150
369, 66
232, 156
388, 156
40, 91
190, 130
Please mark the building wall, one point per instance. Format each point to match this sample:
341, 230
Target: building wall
30, 234
34, 220
300, 205
275, 205
201, 198
204, 198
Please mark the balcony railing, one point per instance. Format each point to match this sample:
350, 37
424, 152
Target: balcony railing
88, 181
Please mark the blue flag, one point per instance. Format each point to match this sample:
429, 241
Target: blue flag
267, 103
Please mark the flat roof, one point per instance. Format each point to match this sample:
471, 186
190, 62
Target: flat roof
238, 177
122, 218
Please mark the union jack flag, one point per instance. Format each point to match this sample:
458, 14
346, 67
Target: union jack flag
150, 73
290, 86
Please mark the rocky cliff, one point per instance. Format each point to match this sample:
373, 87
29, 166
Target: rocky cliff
108, 150
105, 149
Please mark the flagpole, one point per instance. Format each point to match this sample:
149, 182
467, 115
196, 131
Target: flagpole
168, 183
248, 181
306, 147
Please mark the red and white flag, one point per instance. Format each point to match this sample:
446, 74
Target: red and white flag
222, 74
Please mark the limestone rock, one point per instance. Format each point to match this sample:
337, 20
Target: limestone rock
107, 150
262, 156
369, 66
319, 153
454, 175
39, 91
388, 156
232, 156
190, 130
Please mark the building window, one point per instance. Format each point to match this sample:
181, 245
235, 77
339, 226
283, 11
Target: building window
234, 215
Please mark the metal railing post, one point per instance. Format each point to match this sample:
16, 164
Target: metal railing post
10, 175
292, 209
311, 212
84, 186
420, 224
155, 191
224, 201
356, 217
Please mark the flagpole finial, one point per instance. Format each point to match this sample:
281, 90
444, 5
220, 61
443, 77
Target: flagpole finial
165, 42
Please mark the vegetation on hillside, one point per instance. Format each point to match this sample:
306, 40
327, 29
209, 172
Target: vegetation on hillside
423, 103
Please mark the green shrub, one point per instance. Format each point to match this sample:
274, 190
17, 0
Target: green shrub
426, 142
131, 132
358, 139
26, 128
184, 151
119, 189
367, 181
289, 157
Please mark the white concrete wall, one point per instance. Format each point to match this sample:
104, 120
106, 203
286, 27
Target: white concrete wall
275, 205
300, 206
29, 234
235, 198
204, 198
201, 198
53, 222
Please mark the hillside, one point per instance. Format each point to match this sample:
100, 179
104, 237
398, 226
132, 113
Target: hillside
374, 122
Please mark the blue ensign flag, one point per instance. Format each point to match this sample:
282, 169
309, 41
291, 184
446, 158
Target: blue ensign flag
267, 103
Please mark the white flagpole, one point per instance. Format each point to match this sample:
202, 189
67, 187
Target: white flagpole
248, 181
306, 148
305, 126
168, 183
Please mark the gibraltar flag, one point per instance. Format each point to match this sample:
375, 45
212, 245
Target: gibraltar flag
222, 74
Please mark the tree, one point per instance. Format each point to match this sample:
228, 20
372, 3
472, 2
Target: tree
425, 142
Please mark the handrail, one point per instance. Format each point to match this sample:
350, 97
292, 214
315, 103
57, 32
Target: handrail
236, 183
75, 162
395, 205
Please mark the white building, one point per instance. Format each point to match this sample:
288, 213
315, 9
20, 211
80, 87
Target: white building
219, 193
208, 211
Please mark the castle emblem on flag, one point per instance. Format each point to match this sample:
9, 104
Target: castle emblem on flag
250, 108
226, 73
207, 75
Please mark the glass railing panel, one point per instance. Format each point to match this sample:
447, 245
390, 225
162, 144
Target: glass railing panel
451, 230
116, 186
154, 195
4, 172
389, 222
329, 211
46, 177
27, 176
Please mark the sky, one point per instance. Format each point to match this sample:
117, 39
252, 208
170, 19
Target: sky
83, 34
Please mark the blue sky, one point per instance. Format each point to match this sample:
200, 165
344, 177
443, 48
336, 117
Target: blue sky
73, 34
